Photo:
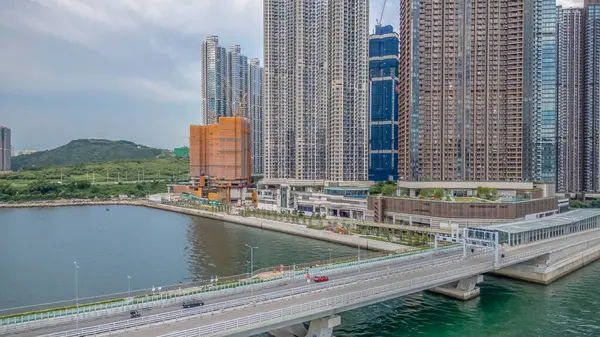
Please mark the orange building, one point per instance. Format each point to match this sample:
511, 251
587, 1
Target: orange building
220, 154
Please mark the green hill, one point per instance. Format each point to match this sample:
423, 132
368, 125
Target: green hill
85, 151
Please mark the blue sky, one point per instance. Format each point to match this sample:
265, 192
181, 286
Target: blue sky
117, 69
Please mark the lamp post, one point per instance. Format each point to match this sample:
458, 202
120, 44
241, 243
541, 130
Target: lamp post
129, 287
76, 295
248, 268
330, 250
358, 245
251, 258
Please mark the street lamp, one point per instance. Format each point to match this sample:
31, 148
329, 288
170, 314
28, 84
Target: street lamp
248, 268
330, 250
76, 294
251, 258
358, 245
129, 287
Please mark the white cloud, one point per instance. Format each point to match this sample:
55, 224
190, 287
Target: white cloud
124, 46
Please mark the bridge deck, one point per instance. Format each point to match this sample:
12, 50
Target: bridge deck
484, 264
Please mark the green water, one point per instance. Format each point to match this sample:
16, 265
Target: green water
38, 247
567, 307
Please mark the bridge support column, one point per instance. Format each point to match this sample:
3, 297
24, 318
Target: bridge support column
464, 289
291, 331
323, 327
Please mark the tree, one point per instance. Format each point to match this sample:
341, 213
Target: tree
439, 193
388, 190
578, 204
375, 189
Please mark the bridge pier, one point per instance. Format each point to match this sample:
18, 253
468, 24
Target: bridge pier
321, 327
290, 331
552, 266
464, 290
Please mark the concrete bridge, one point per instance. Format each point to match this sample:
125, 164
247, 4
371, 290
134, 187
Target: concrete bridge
538, 251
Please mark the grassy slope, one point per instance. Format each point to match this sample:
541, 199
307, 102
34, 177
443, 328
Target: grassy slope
122, 170
86, 151
46, 184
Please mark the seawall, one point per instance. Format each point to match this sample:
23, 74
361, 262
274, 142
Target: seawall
74, 202
293, 229
298, 230
550, 267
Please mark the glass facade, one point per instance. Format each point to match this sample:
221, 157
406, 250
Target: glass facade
544, 99
383, 112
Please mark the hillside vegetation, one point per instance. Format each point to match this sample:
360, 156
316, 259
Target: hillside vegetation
98, 180
85, 151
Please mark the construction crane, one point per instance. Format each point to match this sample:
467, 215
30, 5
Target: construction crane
381, 14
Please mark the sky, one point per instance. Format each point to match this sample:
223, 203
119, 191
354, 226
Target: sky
118, 69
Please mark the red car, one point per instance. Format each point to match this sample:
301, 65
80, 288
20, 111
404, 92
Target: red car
318, 279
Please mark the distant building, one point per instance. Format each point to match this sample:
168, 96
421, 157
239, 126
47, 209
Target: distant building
5, 149
255, 114
592, 96
214, 80
181, 152
570, 89
22, 152
383, 113
237, 77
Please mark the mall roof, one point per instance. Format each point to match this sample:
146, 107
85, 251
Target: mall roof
547, 222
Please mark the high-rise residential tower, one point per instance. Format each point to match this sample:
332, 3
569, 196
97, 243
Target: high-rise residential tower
383, 113
461, 88
540, 99
214, 80
255, 113
570, 89
591, 104
5, 149
237, 77
315, 89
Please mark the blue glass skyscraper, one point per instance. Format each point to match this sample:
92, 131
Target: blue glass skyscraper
383, 112
542, 90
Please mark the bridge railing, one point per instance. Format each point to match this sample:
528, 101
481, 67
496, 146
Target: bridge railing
103, 309
288, 313
181, 313
527, 255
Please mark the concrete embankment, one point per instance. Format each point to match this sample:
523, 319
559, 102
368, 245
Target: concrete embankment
552, 266
293, 229
299, 230
74, 202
